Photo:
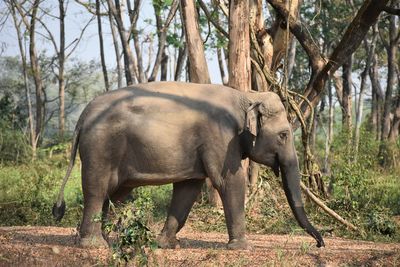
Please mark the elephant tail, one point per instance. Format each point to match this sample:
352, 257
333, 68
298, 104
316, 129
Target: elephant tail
59, 207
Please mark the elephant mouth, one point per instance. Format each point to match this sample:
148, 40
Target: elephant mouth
275, 167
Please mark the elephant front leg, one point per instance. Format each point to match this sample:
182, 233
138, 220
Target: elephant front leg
183, 196
232, 192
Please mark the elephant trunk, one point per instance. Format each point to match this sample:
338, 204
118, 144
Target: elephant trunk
291, 185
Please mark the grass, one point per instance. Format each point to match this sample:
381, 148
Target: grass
364, 193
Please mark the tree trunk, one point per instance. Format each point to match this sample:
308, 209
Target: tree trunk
198, 66
370, 49
391, 50
100, 32
329, 134
61, 80
36, 72
377, 94
26, 85
180, 62
131, 72
116, 49
198, 70
162, 36
133, 33
346, 97
239, 46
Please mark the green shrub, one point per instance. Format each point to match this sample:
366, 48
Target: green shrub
28, 191
131, 231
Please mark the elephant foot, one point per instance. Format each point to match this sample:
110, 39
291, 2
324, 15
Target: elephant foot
93, 242
164, 242
239, 244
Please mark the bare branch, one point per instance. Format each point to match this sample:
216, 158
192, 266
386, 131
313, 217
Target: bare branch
90, 8
392, 10
77, 40
208, 15
326, 208
223, 7
50, 36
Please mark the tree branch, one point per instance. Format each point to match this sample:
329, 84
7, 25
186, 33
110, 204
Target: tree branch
326, 208
392, 10
208, 15
366, 16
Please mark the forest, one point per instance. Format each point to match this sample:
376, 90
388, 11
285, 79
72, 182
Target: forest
334, 64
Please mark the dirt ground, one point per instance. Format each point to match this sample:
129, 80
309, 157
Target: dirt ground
55, 246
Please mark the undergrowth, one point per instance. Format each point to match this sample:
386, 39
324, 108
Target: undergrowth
362, 192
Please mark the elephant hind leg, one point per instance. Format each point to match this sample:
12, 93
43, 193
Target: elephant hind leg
183, 196
95, 187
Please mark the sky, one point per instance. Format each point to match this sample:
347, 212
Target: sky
88, 48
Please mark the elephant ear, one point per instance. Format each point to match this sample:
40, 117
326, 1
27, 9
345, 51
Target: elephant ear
252, 115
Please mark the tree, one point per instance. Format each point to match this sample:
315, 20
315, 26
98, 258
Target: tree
17, 25
101, 43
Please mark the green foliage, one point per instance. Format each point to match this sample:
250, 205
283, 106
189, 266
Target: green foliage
14, 147
363, 192
133, 236
28, 191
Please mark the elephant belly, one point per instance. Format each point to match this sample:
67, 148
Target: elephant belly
154, 159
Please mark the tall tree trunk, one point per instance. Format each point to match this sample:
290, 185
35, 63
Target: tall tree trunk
162, 35
198, 70
164, 67
370, 49
36, 72
131, 73
377, 93
32, 133
391, 50
180, 62
239, 46
116, 49
198, 65
221, 65
346, 97
61, 80
100, 32
329, 133
134, 16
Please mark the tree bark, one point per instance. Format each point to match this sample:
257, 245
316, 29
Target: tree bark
32, 134
370, 49
391, 50
36, 72
61, 79
162, 29
198, 66
346, 96
116, 49
100, 32
198, 70
131, 72
239, 65
133, 33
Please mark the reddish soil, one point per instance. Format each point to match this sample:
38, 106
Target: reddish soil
54, 246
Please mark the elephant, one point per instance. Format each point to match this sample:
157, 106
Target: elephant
175, 132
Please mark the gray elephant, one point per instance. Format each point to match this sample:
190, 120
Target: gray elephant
180, 133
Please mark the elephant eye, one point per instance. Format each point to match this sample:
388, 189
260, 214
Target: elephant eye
283, 136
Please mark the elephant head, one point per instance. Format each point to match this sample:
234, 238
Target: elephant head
273, 146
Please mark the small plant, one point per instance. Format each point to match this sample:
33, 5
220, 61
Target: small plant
305, 247
133, 237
